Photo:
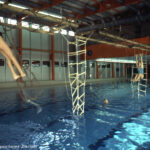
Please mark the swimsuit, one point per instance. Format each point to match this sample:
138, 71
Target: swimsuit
140, 70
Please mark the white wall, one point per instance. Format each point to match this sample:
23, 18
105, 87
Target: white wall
41, 51
37, 42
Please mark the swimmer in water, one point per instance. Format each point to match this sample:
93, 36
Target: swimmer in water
105, 102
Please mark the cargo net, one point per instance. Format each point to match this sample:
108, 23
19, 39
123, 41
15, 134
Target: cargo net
76, 52
139, 88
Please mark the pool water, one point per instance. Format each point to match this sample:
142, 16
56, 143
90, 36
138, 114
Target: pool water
121, 125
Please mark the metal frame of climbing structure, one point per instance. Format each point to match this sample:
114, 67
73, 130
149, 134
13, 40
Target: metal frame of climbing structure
76, 54
139, 88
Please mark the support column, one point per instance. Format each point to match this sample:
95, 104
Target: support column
147, 70
97, 73
112, 70
53, 56
125, 70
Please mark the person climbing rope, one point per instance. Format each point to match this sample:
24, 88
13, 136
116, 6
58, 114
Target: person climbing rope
140, 68
10, 58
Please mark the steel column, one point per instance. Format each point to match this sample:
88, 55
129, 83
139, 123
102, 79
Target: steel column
53, 56
112, 70
97, 73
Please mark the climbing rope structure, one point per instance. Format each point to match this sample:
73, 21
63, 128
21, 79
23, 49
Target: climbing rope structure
76, 54
22, 84
139, 88
26, 97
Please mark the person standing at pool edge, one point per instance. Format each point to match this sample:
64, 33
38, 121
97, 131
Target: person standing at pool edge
140, 68
10, 58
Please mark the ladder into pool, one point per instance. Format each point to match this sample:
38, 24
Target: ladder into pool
76, 53
139, 88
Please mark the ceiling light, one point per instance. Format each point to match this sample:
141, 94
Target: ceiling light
17, 6
50, 14
116, 60
71, 33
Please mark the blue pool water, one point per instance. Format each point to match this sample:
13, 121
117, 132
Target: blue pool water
122, 125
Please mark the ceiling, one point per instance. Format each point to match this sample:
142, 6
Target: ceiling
126, 18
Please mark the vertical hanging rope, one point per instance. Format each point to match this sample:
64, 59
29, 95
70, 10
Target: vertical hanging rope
64, 69
41, 47
30, 55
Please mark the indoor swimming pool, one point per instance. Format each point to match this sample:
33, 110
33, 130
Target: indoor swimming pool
121, 125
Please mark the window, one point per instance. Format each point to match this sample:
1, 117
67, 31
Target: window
103, 66
1, 19
56, 63
1, 62
12, 21
25, 64
35, 26
64, 64
25, 24
1, 2
93, 65
36, 63
108, 65
46, 28
117, 69
64, 32
46, 63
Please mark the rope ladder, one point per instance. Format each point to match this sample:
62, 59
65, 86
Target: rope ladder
77, 73
139, 88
